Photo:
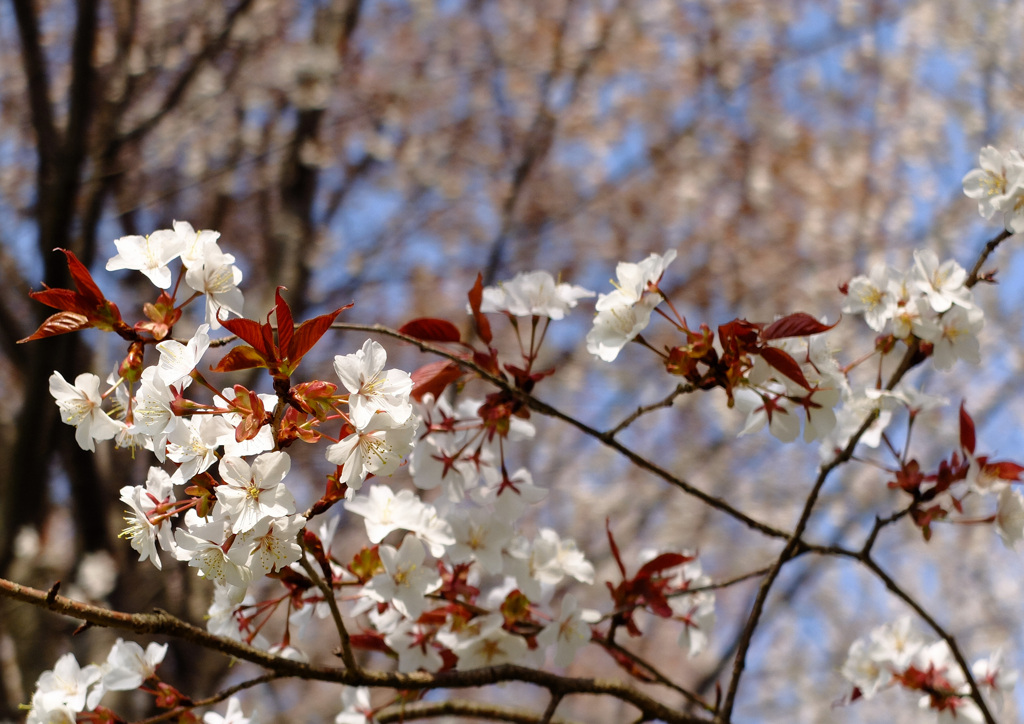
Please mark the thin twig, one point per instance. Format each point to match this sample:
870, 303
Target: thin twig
346, 643
657, 676
643, 410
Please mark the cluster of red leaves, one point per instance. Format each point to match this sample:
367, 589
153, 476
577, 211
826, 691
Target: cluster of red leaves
498, 407
925, 489
703, 366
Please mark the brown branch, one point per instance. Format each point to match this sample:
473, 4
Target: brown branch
346, 644
161, 622
465, 709
975, 274
643, 410
656, 675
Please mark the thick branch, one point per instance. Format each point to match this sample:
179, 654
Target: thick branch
161, 622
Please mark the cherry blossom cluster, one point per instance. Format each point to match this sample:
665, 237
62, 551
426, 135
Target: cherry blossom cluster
462, 588
70, 689
998, 185
450, 577
897, 655
929, 303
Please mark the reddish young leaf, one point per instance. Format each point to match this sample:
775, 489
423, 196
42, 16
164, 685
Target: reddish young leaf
82, 278
476, 295
739, 332
429, 329
369, 642
307, 334
799, 324
967, 436
614, 547
285, 323
662, 563
433, 378
249, 331
88, 302
784, 363
242, 357
64, 299
59, 323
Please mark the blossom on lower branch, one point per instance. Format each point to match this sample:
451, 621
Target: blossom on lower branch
70, 689
897, 655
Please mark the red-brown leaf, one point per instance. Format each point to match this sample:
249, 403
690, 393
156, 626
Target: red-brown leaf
662, 563
799, 324
83, 279
967, 435
59, 323
309, 333
784, 363
476, 295
242, 357
249, 331
429, 329
285, 323
63, 299
433, 378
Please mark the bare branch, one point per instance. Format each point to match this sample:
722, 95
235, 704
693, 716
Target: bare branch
161, 622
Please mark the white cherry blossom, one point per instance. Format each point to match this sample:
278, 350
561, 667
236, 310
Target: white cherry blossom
954, 335
81, 406
177, 360
200, 543
990, 183
1010, 517
406, 579
151, 411
942, 284
193, 444
67, 685
144, 529
872, 296
269, 545
533, 293
128, 666
233, 715
218, 278
194, 243
493, 646
148, 254
253, 492
356, 709
568, 633
411, 642
371, 388
377, 448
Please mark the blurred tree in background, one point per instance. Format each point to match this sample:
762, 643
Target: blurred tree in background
384, 152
